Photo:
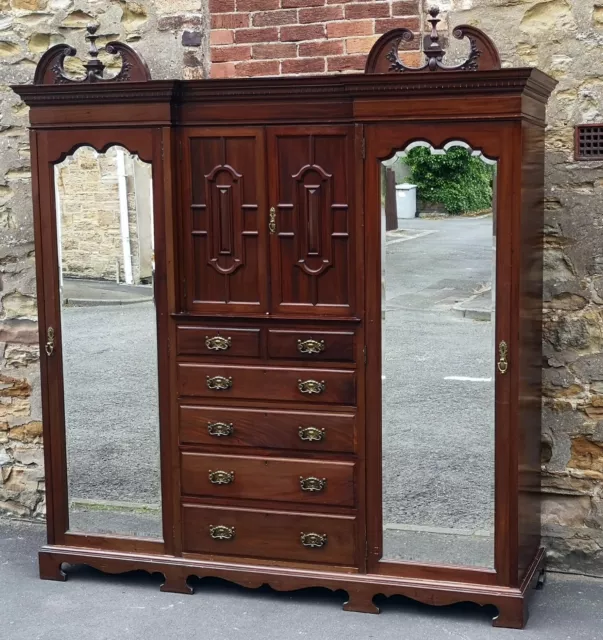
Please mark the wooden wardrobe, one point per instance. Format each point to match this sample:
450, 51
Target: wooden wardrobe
268, 250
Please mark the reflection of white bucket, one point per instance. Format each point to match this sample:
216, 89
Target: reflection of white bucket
406, 200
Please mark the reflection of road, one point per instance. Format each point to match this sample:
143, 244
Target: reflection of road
438, 446
110, 369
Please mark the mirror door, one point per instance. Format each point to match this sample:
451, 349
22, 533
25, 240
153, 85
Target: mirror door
438, 355
108, 342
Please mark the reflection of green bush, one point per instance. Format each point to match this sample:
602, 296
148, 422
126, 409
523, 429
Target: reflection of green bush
455, 179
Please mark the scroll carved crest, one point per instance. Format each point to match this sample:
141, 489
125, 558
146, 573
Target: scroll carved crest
385, 54
51, 68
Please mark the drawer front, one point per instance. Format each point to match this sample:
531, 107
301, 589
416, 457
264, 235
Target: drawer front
311, 345
298, 430
328, 386
213, 341
259, 478
269, 534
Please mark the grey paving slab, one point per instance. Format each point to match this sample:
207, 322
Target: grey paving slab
94, 606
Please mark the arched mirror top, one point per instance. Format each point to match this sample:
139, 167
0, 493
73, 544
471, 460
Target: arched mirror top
385, 57
475, 152
139, 152
51, 68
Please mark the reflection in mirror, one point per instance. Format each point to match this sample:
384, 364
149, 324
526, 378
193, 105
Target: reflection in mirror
438, 355
104, 212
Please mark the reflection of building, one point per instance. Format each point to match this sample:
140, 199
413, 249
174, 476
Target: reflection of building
106, 216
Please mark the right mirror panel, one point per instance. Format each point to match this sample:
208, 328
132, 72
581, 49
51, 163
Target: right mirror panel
438, 355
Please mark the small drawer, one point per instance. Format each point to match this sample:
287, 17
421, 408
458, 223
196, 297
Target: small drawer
304, 431
204, 341
259, 478
311, 345
329, 386
276, 535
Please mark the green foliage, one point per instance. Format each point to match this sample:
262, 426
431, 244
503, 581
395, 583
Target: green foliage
455, 179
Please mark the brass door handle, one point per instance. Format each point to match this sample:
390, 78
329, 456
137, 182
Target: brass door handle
221, 477
219, 383
218, 343
272, 223
311, 346
221, 532
220, 429
49, 346
311, 434
313, 540
503, 354
312, 485
311, 387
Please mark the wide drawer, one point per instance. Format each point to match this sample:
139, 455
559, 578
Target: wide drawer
218, 341
269, 534
265, 429
329, 386
311, 345
260, 478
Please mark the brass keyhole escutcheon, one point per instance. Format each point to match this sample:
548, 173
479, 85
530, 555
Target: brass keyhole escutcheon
49, 346
503, 353
272, 223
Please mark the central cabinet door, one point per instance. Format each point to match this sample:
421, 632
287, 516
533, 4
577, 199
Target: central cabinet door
225, 221
312, 220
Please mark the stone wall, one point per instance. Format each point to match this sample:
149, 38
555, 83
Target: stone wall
172, 36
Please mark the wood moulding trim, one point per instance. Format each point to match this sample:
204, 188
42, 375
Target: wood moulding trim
362, 588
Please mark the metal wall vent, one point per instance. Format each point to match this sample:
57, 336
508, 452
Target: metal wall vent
589, 142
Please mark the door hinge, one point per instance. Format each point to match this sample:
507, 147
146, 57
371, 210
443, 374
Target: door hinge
364, 352
363, 148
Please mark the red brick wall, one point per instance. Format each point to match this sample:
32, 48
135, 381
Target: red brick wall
272, 37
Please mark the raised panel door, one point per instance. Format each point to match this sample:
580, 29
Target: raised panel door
225, 220
312, 220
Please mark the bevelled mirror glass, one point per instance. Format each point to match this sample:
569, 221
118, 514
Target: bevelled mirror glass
438, 355
104, 213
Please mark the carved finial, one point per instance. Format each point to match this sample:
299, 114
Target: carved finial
384, 56
94, 67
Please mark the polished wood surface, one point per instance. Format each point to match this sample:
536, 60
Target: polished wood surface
269, 534
258, 478
327, 432
256, 283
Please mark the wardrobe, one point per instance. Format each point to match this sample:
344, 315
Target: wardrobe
307, 426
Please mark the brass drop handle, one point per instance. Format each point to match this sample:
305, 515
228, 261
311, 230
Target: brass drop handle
311, 434
313, 485
221, 477
311, 387
219, 383
220, 532
313, 540
220, 429
218, 343
311, 346
272, 223
49, 347
503, 353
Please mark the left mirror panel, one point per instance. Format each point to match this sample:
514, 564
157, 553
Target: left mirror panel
104, 209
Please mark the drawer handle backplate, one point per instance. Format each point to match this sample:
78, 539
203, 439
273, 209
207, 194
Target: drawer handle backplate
311, 386
220, 429
311, 346
311, 434
219, 383
312, 484
221, 532
221, 477
218, 343
313, 540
